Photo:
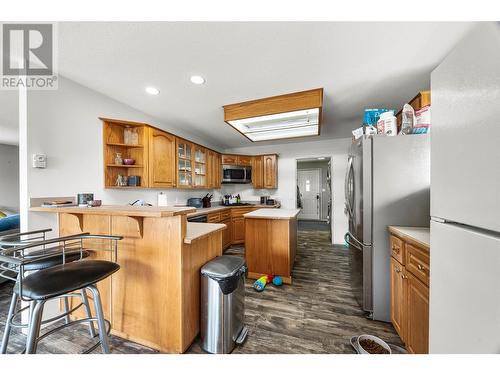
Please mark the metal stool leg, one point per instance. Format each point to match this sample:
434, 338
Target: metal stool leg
6, 333
86, 305
34, 327
66, 309
101, 324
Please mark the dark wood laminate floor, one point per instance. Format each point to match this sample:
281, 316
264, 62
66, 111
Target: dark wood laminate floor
317, 314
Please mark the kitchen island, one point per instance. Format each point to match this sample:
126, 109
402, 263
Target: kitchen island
271, 242
154, 299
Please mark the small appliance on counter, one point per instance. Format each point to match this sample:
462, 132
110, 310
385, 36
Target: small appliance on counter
270, 202
84, 198
207, 200
195, 202
263, 199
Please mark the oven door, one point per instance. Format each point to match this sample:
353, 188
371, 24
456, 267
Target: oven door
233, 174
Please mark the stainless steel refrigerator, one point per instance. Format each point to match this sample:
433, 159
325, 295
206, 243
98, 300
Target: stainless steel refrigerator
387, 183
465, 197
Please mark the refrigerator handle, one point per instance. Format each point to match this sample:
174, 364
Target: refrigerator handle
346, 186
347, 236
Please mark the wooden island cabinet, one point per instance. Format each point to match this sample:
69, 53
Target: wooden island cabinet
154, 298
271, 242
409, 268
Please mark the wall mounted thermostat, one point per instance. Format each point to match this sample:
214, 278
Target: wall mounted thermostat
39, 161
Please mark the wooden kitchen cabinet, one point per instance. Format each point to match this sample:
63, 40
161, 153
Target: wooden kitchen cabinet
226, 234
229, 159
258, 172
398, 298
409, 300
185, 163
238, 230
200, 167
162, 172
417, 340
270, 171
244, 160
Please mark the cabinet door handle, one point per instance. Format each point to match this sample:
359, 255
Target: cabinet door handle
403, 276
420, 267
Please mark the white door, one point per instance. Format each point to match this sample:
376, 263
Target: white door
308, 181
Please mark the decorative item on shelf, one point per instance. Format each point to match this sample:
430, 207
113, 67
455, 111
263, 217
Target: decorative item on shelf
130, 136
128, 161
121, 180
118, 158
134, 180
83, 198
94, 203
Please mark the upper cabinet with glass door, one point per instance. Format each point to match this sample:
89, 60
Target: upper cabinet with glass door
184, 163
200, 166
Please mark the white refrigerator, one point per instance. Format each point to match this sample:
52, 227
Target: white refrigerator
465, 197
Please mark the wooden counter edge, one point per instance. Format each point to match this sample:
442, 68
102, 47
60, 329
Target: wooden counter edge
190, 240
411, 240
112, 211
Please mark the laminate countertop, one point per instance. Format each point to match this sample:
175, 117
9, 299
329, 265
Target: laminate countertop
144, 211
273, 214
218, 208
196, 231
421, 236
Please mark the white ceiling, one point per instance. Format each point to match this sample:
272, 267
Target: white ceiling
9, 133
359, 65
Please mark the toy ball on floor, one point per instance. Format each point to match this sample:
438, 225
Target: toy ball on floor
277, 280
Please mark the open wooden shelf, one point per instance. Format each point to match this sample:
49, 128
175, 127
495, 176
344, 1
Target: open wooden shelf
124, 145
125, 166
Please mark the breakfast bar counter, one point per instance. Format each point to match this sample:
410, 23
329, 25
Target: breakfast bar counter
154, 299
271, 242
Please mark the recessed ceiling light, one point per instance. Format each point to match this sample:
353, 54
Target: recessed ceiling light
152, 90
321, 158
197, 80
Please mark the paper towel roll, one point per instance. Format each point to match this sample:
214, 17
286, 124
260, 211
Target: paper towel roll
162, 200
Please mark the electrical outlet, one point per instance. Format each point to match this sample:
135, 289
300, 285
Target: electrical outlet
39, 161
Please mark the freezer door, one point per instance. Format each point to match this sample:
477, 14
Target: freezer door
360, 258
465, 156
464, 290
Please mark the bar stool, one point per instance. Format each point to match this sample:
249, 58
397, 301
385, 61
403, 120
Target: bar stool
49, 258
60, 280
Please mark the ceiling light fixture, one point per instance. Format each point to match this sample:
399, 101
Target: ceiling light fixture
152, 90
197, 80
285, 116
321, 158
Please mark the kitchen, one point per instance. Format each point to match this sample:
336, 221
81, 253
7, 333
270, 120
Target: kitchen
176, 197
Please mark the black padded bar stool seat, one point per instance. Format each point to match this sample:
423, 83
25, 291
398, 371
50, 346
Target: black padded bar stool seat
54, 260
65, 278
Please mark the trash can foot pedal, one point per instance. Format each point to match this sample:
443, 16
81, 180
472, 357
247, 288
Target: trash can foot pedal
242, 336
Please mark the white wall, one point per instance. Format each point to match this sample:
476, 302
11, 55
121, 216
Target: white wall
9, 177
336, 149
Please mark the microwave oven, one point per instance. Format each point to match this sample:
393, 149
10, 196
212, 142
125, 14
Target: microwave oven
236, 174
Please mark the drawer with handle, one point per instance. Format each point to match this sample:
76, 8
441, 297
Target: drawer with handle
225, 214
417, 262
397, 249
213, 218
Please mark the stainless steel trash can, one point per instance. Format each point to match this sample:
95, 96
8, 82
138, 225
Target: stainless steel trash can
223, 304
